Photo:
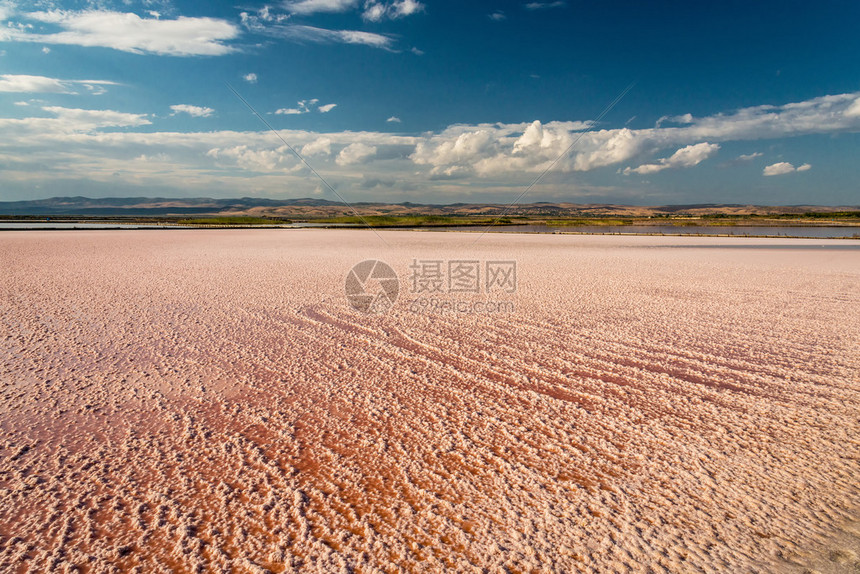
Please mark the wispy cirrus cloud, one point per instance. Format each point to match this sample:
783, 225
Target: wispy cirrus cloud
543, 5
749, 156
66, 121
124, 31
44, 84
316, 6
311, 34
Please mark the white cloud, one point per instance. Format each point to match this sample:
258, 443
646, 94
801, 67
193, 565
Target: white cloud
749, 156
393, 119
320, 146
43, 84
543, 5
682, 119
355, 153
376, 11
46, 50
193, 111
685, 157
69, 121
509, 149
22, 103
783, 168
497, 16
306, 106
129, 32
33, 84
854, 109
406, 8
301, 33
373, 11
250, 78
7, 10
314, 6
65, 144
257, 160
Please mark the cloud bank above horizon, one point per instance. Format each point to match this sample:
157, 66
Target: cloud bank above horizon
102, 145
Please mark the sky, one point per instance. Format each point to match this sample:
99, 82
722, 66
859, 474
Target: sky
645, 103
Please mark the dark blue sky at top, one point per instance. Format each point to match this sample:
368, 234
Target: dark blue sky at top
563, 63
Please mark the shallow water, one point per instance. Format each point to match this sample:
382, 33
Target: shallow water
47, 225
741, 231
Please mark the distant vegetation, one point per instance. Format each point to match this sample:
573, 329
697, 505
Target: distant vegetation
413, 220
807, 215
595, 221
236, 220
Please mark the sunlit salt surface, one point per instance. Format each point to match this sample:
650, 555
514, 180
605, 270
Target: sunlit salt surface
206, 400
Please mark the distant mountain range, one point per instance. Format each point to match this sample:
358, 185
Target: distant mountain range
310, 208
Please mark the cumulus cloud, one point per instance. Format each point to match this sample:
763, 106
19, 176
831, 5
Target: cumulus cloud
89, 145
393, 120
193, 111
250, 78
685, 157
497, 16
783, 168
258, 160
326, 108
595, 149
320, 146
355, 153
43, 84
128, 32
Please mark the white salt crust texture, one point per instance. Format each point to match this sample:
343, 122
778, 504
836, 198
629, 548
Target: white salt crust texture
207, 401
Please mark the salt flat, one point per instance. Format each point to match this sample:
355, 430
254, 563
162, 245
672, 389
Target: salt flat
207, 400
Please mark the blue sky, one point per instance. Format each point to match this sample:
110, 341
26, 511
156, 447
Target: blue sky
433, 102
